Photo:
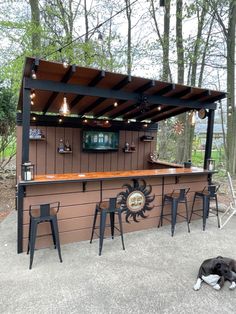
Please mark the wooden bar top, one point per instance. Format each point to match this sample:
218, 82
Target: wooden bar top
110, 175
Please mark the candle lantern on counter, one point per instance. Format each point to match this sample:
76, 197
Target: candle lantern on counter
27, 171
210, 164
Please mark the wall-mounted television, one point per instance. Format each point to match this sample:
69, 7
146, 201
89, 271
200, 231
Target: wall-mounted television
100, 140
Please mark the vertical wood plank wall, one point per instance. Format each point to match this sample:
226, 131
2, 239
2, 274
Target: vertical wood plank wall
47, 160
77, 207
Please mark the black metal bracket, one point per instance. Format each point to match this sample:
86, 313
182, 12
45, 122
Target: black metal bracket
177, 179
84, 186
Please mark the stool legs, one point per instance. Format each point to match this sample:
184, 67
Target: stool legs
112, 220
33, 233
174, 206
192, 208
161, 216
56, 234
217, 211
102, 229
53, 235
121, 229
205, 210
94, 223
186, 206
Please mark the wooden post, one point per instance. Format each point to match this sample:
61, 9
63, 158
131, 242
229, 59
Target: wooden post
209, 137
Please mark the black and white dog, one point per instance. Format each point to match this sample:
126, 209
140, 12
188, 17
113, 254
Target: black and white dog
215, 271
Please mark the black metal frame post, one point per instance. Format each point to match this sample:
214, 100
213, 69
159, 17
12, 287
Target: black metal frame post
20, 203
25, 158
209, 138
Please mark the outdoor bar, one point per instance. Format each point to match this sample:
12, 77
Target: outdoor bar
85, 156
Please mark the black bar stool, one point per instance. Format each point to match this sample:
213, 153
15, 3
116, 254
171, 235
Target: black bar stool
43, 213
207, 194
174, 199
107, 207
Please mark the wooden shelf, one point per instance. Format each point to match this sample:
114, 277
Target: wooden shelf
65, 152
37, 139
147, 138
129, 151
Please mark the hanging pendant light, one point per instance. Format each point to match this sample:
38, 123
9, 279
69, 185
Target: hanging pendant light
193, 118
64, 110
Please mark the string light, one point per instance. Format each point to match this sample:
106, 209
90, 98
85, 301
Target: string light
192, 118
32, 95
115, 104
32, 103
60, 120
33, 75
159, 108
34, 118
64, 110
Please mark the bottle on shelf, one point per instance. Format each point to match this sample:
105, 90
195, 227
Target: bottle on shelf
67, 146
132, 146
61, 147
127, 146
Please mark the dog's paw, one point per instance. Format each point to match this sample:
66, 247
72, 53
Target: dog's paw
216, 287
197, 285
232, 286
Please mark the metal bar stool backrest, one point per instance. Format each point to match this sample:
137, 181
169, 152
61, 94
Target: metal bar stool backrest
44, 210
212, 189
182, 194
112, 204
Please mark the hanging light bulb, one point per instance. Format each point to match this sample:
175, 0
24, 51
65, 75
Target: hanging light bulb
32, 103
32, 95
100, 37
115, 104
193, 118
159, 108
33, 75
64, 110
65, 63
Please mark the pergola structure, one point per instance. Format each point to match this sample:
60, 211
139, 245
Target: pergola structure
92, 93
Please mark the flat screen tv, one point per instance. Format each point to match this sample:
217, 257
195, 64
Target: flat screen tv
100, 141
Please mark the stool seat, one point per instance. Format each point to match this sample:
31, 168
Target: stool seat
38, 214
103, 208
206, 195
177, 196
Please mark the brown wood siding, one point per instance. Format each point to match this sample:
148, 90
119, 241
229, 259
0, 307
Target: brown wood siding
77, 207
47, 160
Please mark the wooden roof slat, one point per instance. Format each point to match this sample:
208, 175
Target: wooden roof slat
217, 97
109, 108
201, 95
145, 87
165, 90
65, 79
92, 83
170, 113
118, 86
182, 93
150, 114
91, 106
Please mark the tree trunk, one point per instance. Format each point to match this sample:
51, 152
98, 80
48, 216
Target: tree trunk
36, 33
129, 58
231, 138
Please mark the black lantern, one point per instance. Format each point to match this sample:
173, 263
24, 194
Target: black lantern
27, 171
162, 3
210, 164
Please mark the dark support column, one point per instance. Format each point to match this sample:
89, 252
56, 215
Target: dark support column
209, 137
20, 202
25, 125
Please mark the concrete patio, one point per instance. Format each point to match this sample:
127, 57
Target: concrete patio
155, 274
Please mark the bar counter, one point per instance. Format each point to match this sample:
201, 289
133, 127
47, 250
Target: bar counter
78, 194
110, 175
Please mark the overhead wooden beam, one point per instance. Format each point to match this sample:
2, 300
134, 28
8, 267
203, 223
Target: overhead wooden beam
92, 83
170, 113
201, 95
152, 113
124, 111
87, 109
54, 95
97, 102
145, 87
165, 90
182, 93
112, 94
109, 108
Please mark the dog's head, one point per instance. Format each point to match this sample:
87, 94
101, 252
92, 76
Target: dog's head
223, 269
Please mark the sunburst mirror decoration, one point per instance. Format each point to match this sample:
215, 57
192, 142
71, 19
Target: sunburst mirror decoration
135, 201
178, 127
